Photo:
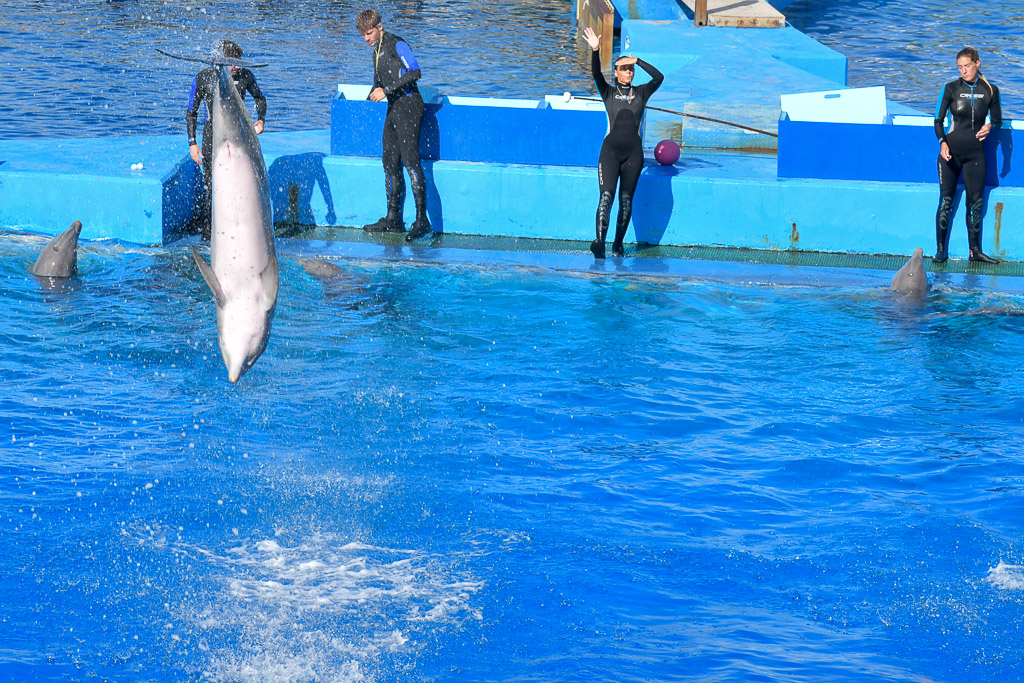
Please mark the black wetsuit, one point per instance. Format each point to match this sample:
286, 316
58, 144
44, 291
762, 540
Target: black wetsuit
395, 70
203, 87
622, 153
967, 104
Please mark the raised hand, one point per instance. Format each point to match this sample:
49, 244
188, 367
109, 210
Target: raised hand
593, 40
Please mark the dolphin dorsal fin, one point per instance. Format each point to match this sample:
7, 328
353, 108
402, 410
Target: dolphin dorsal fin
210, 277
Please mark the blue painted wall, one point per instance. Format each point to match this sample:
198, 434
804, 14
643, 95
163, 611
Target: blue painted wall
709, 198
884, 152
47, 184
456, 130
720, 199
650, 10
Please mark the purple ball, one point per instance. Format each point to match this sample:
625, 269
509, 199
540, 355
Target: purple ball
666, 152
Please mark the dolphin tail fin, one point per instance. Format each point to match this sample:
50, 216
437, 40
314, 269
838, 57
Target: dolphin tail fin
210, 277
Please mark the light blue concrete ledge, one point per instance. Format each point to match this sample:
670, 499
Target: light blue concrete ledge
45, 185
708, 198
712, 199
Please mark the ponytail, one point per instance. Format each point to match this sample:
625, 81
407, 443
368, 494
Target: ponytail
991, 90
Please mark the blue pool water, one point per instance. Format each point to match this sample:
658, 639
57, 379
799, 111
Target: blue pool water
87, 68
505, 473
445, 469
910, 47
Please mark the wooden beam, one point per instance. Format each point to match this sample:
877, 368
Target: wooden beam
599, 15
700, 13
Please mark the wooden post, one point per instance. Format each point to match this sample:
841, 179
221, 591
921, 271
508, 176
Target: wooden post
700, 13
599, 15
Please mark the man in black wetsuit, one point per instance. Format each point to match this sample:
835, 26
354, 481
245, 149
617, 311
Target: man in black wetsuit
962, 151
203, 86
622, 153
395, 72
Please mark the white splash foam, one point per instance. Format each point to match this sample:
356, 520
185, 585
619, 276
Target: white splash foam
323, 609
1007, 577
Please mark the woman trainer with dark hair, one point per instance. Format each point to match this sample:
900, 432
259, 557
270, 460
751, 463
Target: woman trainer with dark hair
967, 100
622, 154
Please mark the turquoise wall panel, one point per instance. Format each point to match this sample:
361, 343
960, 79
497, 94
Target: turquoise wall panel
680, 206
477, 129
108, 206
885, 152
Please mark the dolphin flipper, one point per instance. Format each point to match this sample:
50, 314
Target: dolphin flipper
210, 277
270, 281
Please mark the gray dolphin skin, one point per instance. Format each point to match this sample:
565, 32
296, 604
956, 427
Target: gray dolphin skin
320, 268
911, 278
60, 257
242, 273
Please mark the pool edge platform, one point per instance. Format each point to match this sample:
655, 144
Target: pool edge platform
713, 198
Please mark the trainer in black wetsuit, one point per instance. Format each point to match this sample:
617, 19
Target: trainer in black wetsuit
622, 154
967, 100
395, 72
203, 87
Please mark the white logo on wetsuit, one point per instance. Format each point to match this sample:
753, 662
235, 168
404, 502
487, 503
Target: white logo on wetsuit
624, 98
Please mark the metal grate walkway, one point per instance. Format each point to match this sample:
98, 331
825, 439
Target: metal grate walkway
553, 246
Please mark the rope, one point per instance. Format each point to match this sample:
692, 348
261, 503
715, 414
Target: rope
693, 116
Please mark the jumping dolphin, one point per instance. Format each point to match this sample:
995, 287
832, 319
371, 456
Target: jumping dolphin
60, 257
911, 278
243, 260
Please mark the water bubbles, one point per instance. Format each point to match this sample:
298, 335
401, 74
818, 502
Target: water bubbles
1006, 576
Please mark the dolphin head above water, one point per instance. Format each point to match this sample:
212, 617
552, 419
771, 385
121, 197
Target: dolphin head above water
59, 258
245, 308
911, 278
242, 342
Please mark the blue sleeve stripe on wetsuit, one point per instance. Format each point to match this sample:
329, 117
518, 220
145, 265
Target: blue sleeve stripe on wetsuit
192, 96
405, 54
938, 107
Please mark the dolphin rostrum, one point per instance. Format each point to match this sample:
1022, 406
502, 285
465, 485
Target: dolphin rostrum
60, 257
911, 278
243, 260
